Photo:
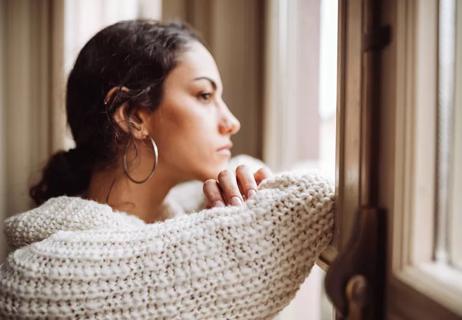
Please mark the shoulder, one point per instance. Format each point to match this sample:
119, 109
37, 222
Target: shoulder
62, 214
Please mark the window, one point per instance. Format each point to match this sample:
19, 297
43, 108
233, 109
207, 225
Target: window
424, 247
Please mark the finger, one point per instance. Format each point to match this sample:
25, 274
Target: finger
246, 181
228, 184
212, 194
262, 174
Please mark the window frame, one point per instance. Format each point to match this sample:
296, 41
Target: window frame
408, 178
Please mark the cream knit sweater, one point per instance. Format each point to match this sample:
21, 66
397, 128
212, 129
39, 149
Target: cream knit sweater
77, 259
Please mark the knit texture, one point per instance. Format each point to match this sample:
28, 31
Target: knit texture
77, 259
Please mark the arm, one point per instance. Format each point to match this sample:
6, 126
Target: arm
229, 262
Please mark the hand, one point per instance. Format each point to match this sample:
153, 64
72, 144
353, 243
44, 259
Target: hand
233, 189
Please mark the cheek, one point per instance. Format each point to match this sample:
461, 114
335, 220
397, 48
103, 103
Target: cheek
187, 134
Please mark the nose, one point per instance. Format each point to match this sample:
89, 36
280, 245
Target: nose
229, 124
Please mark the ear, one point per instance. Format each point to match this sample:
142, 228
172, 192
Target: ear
135, 124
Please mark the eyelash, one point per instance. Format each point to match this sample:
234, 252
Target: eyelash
205, 96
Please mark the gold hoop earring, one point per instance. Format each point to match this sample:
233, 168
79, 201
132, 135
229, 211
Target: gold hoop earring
154, 165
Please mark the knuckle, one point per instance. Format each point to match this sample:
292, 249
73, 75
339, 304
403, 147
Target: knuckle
241, 168
264, 171
208, 184
224, 174
247, 181
208, 181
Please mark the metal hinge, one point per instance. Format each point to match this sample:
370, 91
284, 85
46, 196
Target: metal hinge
354, 281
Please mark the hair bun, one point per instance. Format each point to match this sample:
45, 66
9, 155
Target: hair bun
66, 173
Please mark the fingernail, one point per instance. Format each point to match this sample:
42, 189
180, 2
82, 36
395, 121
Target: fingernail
251, 193
218, 204
236, 201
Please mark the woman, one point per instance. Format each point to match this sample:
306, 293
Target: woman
145, 109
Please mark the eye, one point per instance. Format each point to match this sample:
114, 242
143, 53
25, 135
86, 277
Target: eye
205, 96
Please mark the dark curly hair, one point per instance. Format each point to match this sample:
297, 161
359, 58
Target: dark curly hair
137, 55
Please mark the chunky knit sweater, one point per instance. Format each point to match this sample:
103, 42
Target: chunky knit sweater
77, 259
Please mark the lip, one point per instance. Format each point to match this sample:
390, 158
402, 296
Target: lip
224, 152
227, 146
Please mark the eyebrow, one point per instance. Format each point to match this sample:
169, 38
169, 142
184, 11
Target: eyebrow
213, 83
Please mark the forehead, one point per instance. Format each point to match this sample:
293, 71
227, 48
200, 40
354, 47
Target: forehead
195, 62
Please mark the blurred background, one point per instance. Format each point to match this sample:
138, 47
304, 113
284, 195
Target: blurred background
277, 58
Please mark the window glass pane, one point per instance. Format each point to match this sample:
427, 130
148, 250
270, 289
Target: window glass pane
449, 141
455, 241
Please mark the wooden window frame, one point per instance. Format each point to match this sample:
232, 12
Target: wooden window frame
350, 161
408, 177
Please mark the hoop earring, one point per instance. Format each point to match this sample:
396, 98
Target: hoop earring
154, 165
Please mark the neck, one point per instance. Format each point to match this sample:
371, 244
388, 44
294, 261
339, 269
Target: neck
111, 186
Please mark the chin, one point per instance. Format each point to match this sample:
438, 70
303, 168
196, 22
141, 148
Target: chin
212, 171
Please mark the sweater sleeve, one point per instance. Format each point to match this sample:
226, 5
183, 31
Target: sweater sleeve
221, 263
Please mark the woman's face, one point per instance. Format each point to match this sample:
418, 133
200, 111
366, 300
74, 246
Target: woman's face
193, 126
